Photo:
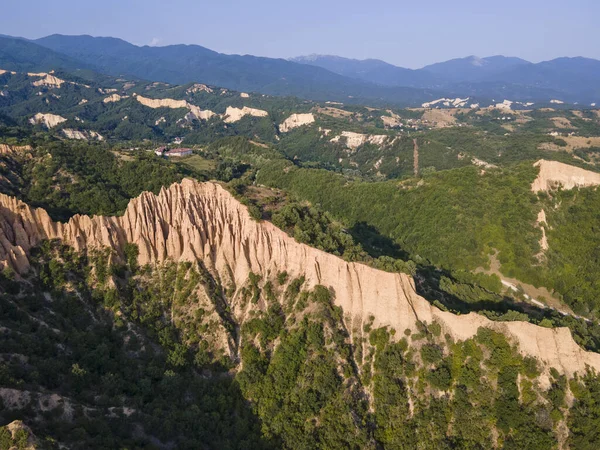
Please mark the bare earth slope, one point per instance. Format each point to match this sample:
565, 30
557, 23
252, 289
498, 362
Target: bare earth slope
201, 221
554, 173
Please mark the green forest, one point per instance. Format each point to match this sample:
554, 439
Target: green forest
301, 382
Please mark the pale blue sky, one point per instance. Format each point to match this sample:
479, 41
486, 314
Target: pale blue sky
406, 33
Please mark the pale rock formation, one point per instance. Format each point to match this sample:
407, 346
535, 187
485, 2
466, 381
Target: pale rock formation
84, 135
48, 80
198, 87
192, 221
553, 174
160, 120
6, 149
355, 140
233, 114
114, 98
162, 102
83, 101
377, 139
198, 113
391, 121
48, 120
448, 102
506, 105
482, 163
244, 95
106, 91
295, 121
17, 426
541, 221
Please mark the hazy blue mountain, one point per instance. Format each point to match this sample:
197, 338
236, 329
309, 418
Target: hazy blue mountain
473, 68
371, 70
21, 55
313, 77
470, 68
493, 77
180, 64
573, 77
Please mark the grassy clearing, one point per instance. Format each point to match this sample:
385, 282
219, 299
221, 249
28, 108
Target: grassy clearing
199, 163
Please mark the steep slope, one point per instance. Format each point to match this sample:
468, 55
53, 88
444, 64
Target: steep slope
201, 221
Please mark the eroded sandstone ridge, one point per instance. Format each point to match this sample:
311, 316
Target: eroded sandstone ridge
200, 114
201, 221
48, 120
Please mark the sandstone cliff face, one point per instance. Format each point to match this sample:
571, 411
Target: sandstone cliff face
234, 114
6, 149
48, 120
554, 173
201, 221
355, 140
50, 81
295, 121
84, 135
114, 98
175, 104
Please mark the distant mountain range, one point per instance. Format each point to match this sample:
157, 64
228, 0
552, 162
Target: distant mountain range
316, 77
180, 64
567, 79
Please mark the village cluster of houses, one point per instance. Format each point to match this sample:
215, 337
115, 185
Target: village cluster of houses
173, 152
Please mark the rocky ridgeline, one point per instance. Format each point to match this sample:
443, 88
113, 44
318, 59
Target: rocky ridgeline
192, 221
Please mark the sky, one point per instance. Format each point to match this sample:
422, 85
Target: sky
406, 33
